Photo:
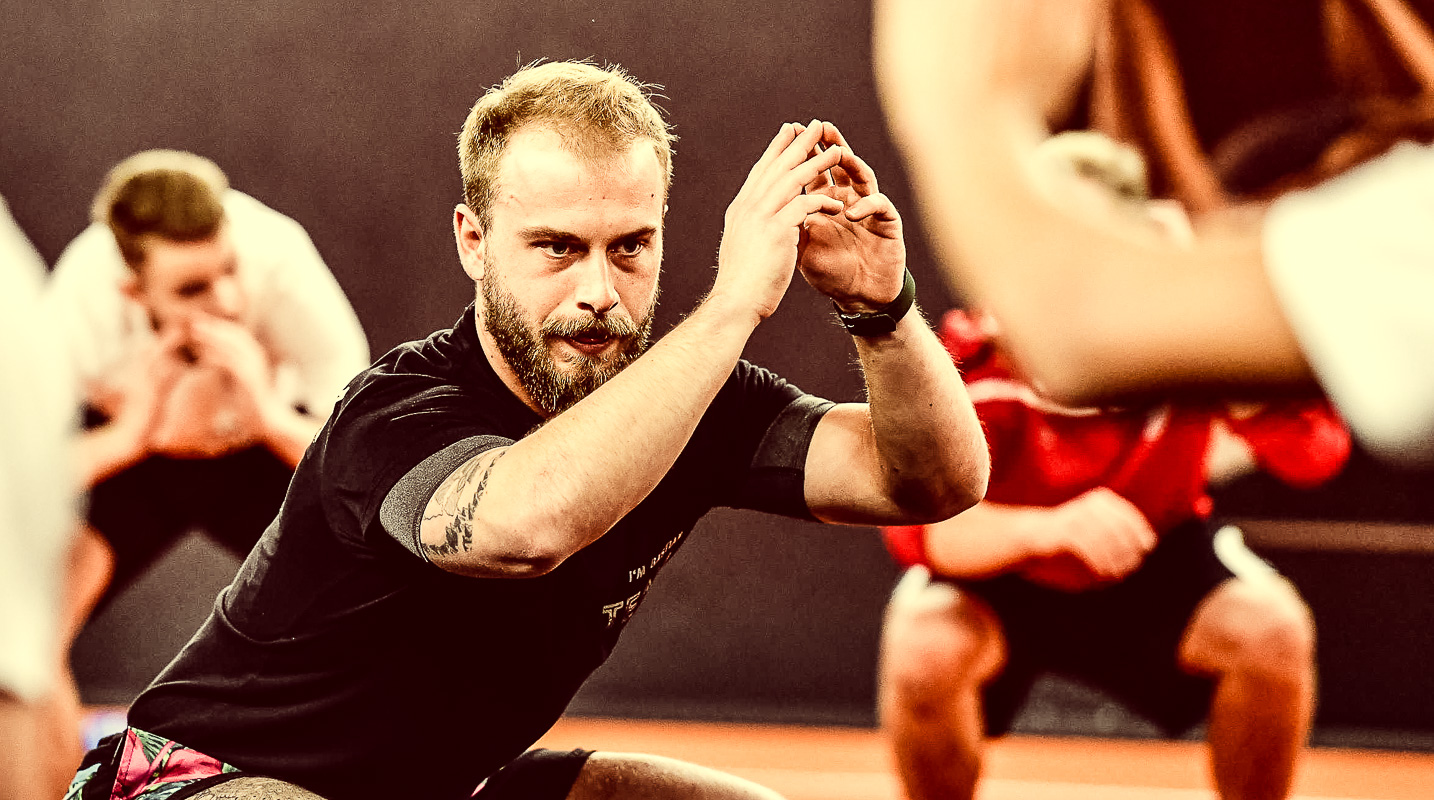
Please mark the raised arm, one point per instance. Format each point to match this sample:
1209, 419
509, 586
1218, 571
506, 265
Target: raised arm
1091, 310
520, 510
914, 452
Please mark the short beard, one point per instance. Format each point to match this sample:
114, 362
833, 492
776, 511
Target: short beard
529, 354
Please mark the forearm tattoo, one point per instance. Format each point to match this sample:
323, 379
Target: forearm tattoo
458, 534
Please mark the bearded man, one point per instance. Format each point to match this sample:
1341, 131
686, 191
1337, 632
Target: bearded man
477, 522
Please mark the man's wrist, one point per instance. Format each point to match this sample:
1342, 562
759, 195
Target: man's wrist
882, 319
726, 309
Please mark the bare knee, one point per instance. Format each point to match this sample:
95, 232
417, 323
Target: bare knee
256, 789
937, 641
1260, 628
625, 776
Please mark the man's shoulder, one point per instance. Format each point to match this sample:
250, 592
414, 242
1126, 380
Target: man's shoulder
749, 382
435, 376
408, 370
249, 209
92, 254
259, 228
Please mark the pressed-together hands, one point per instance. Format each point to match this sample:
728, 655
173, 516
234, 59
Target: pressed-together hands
203, 387
134, 400
225, 400
856, 257
811, 203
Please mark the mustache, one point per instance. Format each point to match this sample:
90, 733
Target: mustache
614, 327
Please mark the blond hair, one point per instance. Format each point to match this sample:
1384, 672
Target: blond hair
598, 111
167, 193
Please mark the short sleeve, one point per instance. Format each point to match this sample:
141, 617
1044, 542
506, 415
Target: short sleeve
1352, 263
776, 479
766, 426
402, 510
392, 441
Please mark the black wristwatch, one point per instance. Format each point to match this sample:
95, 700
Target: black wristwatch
884, 319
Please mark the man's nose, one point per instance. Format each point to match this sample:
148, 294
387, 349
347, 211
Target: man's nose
596, 290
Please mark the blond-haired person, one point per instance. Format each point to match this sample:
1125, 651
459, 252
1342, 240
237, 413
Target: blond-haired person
210, 340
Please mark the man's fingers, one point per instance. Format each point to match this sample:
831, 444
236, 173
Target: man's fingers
858, 172
877, 205
808, 172
832, 135
805, 205
784, 137
787, 170
800, 147
823, 180
843, 173
777, 194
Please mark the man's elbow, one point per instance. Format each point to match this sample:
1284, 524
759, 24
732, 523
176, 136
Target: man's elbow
970, 489
498, 551
508, 564
944, 497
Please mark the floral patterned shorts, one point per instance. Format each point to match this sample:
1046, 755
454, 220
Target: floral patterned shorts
137, 765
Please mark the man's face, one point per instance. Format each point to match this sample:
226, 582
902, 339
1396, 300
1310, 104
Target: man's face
180, 280
568, 268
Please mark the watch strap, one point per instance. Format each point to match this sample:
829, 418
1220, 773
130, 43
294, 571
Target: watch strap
883, 320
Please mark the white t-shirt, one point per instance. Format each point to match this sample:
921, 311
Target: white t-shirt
295, 307
39, 481
1352, 261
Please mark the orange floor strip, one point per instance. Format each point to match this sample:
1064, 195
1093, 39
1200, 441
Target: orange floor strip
805, 763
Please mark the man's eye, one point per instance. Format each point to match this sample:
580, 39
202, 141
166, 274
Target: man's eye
191, 289
557, 249
631, 248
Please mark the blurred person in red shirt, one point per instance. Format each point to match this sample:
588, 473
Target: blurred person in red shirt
1094, 555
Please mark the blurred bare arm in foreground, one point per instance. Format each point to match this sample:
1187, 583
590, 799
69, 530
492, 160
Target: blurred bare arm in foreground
1334, 282
1091, 309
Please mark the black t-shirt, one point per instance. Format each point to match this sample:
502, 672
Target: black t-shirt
341, 660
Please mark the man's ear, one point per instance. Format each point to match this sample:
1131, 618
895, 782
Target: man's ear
472, 243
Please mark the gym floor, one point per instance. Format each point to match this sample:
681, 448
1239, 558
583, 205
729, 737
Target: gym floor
814, 763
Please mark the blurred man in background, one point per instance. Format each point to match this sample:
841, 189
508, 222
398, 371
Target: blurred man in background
210, 341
